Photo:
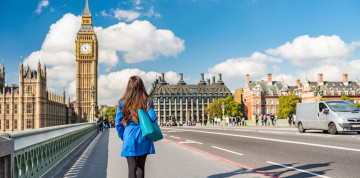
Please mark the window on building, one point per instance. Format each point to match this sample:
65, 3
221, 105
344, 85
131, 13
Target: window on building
15, 124
346, 93
256, 101
0, 123
29, 90
29, 124
29, 108
7, 124
0, 108
7, 109
265, 102
271, 102
15, 108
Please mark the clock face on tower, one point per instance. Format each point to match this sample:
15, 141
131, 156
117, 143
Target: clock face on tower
85, 48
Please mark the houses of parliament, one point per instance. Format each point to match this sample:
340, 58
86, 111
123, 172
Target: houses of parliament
30, 105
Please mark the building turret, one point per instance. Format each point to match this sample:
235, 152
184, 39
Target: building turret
2, 76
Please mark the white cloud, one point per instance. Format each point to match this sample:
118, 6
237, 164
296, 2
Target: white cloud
126, 15
58, 52
138, 41
152, 13
42, 4
255, 65
113, 85
306, 51
103, 13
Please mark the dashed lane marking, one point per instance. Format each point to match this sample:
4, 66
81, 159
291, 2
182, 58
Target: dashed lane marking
190, 141
276, 140
296, 169
224, 159
227, 150
174, 137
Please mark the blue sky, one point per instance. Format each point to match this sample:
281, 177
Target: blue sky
291, 39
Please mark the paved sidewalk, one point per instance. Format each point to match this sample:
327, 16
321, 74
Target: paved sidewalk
173, 161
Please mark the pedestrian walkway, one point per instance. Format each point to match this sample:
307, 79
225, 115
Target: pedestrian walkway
102, 159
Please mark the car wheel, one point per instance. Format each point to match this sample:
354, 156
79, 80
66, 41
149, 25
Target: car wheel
301, 128
325, 131
358, 132
332, 129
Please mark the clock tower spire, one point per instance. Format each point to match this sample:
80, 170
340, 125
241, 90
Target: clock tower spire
86, 53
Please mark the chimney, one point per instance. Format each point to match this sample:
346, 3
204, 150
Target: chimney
208, 81
181, 76
202, 76
220, 79
247, 79
181, 81
213, 79
163, 76
269, 78
202, 81
298, 83
320, 79
345, 79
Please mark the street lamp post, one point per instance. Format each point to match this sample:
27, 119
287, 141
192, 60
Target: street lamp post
318, 93
92, 114
223, 109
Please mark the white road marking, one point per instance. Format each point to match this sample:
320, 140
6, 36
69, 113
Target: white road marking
190, 141
164, 134
278, 140
173, 131
314, 135
296, 169
174, 137
227, 150
272, 132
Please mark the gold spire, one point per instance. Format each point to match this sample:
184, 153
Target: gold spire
86, 12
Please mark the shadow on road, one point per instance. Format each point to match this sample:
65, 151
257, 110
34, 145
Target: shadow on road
279, 171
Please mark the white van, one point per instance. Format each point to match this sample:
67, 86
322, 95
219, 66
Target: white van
329, 116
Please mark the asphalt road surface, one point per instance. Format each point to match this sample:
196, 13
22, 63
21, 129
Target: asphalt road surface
277, 152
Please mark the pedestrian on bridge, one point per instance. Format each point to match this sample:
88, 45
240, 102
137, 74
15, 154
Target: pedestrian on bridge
99, 122
135, 147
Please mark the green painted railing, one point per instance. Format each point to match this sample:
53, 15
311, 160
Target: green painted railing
38, 151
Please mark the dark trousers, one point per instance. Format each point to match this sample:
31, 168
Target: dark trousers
100, 127
136, 165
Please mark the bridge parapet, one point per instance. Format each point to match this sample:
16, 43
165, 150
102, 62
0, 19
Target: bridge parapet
38, 151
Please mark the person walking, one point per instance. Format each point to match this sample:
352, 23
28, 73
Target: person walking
135, 147
294, 119
272, 117
290, 119
257, 120
99, 122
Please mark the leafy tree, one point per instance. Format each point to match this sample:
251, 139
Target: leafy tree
344, 97
232, 108
110, 113
287, 105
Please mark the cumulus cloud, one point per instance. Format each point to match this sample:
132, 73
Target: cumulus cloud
305, 50
58, 51
139, 41
255, 65
113, 85
126, 15
42, 4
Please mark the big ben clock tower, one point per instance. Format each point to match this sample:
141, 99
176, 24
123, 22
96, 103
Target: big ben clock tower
86, 47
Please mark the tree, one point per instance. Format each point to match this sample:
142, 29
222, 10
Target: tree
110, 113
344, 97
232, 108
287, 105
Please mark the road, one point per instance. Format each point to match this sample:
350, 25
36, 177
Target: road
280, 152
220, 152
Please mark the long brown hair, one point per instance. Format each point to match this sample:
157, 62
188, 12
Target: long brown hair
135, 97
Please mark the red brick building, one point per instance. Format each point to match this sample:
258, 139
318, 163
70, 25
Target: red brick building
261, 97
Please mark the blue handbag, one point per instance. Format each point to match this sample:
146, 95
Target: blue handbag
149, 129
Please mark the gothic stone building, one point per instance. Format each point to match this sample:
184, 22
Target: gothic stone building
182, 102
30, 105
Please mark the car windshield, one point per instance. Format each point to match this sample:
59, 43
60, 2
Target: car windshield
342, 106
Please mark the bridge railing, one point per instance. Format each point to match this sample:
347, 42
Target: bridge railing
38, 151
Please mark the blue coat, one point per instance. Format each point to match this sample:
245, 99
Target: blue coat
134, 144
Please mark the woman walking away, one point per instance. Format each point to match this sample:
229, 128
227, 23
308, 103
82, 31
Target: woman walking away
135, 147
